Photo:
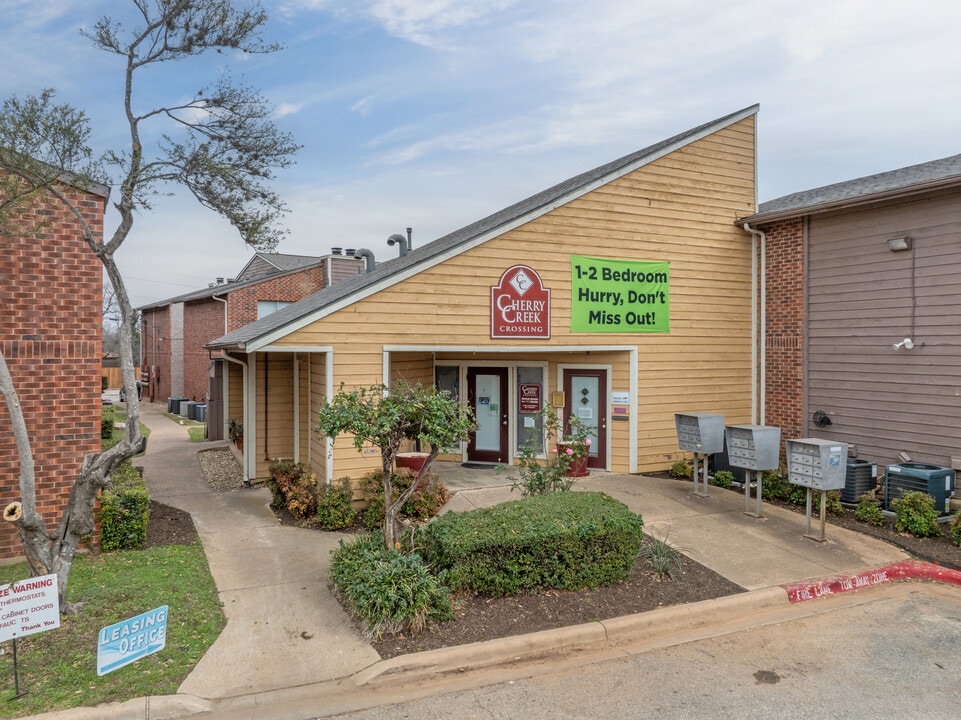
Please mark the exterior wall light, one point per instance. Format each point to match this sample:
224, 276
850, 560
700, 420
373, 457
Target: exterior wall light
899, 244
907, 344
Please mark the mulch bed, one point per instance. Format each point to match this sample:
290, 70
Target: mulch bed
482, 618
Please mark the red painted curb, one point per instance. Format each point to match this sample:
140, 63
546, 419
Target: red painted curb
908, 570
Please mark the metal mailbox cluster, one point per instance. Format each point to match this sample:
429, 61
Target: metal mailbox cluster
703, 434
817, 465
755, 448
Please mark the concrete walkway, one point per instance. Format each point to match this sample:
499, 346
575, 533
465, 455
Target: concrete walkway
284, 628
289, 644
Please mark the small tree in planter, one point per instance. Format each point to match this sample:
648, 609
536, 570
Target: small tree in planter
386, 417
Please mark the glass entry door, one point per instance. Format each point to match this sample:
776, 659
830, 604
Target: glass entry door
488, 396
585, 396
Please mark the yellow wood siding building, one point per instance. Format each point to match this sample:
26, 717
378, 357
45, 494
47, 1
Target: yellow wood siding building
427, 317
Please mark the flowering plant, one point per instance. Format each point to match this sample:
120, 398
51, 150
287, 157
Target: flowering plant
576, 440
551, 474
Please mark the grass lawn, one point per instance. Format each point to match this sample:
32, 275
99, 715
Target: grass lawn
58, 668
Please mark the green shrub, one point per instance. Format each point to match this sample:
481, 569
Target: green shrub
104, 383
682, 469
107, 420
956, 529
124, 510
914, 513
798, 495
665, 560
557, 540
387, 591
424, 504
832, 503
774, 484
294, 487
335, 509
869, 510
723, 479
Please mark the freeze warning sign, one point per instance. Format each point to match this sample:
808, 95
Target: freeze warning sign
619, 296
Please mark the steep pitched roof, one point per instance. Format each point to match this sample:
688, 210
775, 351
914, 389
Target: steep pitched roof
911, 180
328, 300
279, 262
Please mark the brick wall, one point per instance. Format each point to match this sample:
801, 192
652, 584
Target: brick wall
50, 334
155, 344
203, 322
785, 327
242, 303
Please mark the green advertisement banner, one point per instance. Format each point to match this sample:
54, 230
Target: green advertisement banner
619, 296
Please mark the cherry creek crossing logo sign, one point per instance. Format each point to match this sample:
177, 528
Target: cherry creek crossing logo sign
520, 305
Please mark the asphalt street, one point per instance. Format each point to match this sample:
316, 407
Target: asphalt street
893, 652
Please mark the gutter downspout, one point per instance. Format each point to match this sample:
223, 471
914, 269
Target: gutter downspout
247, 445
224, 301
758, 335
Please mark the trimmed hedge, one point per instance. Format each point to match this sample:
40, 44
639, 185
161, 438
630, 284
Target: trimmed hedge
124, 510
558, 540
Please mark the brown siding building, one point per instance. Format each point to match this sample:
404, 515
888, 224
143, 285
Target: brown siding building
863, 324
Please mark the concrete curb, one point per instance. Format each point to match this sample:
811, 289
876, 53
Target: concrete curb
907, 570
599, 635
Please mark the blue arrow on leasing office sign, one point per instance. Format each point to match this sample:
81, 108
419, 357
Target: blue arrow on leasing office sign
129, 640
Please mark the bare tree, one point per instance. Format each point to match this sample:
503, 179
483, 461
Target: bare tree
221, 145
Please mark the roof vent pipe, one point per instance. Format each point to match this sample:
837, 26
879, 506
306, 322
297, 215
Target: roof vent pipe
400, 241
368, 256
336, 251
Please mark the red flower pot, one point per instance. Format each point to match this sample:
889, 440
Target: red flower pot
577, 467
413, 461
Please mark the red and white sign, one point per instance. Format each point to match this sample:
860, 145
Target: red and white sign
29, 606
520, 305
530, 398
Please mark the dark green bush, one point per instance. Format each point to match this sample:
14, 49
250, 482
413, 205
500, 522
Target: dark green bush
107, 420
869, 510
723, 479
124, 510
388, 591
774, 485
335, 509
682, 469
558, 540
424, 504
914, 513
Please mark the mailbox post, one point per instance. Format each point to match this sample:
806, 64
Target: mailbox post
703, 434
817, 465
755, 448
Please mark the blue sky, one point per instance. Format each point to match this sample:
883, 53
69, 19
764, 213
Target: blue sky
431, 114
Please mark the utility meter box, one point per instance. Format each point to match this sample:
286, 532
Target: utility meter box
753, 447
700, 432
817, 464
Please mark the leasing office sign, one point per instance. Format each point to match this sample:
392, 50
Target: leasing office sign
520, 305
